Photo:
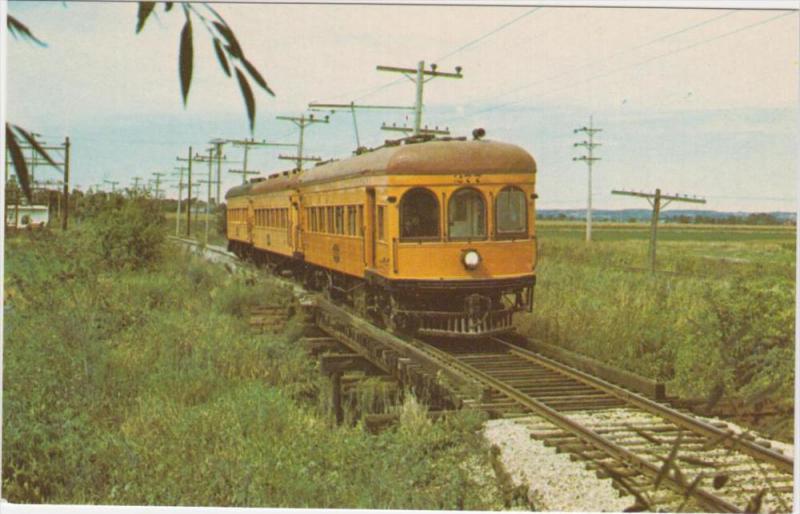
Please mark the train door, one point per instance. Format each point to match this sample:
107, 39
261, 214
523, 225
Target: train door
250, 221
369, 230
296, 225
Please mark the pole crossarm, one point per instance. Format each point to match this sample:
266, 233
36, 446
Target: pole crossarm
316, 106
675, 197
425, 131
302, 122
419, 76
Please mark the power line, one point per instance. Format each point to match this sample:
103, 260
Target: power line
371, 91
616, 70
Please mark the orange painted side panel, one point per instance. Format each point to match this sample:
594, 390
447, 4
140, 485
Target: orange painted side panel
434, 261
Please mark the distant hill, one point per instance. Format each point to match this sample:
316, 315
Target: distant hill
687, 216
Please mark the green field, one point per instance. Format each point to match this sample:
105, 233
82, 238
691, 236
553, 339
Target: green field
716, 321
131, 377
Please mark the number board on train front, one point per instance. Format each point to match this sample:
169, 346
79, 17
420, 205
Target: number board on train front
467, 178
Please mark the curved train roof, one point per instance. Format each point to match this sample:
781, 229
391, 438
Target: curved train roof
432, 157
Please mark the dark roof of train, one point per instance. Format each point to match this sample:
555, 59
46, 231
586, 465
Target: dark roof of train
432, 157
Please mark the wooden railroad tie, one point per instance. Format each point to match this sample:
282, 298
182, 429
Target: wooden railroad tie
270, 319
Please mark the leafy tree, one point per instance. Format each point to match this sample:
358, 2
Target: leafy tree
230, 55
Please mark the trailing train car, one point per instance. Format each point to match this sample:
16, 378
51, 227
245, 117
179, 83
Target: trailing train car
435, 237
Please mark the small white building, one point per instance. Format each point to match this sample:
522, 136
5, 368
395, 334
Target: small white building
27, 216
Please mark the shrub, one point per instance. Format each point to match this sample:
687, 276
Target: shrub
129, 236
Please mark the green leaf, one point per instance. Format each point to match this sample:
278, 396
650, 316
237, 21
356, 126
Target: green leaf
35, 144
186, 58
223, 61
233, 44
256, 76
249, 101
145, 8
18, 160
16, 27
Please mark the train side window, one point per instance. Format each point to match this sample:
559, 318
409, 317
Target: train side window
330, 220
339, 224
361, 220
419, 215
351, 220
466, 215
511, 212
379, 222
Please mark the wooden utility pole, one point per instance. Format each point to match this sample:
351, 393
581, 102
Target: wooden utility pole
655, 200
188, 160
302, 122
113, 184
246, 144
180, 194
418, 77
352, 106
64, 218
589, 159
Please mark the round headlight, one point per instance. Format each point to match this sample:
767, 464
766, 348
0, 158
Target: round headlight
471, 259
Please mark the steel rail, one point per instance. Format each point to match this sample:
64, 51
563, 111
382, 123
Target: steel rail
756, 451
707, 500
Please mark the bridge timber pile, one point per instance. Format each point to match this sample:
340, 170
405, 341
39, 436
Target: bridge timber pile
666, 459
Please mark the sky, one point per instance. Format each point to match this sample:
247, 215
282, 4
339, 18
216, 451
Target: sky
692, 101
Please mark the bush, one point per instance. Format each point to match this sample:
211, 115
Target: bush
129, 236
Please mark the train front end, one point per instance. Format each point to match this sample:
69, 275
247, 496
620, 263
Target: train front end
461, 259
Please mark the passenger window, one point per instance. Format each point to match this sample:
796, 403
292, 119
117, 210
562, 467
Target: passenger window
340, 220
512, 212
466, 215
419, 215
361, 220
351, 220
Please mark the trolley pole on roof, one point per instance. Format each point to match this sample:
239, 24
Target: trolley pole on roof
589, 159
302, 122
418, 77
315, 106
246, 144
655, 200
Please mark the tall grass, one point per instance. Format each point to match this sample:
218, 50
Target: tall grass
718, 323
145, 386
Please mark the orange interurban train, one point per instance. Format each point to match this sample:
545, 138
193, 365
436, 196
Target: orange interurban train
428, 236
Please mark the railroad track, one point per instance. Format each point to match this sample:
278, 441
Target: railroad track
666, 459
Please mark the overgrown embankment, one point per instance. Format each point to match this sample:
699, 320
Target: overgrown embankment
719, 323
131, 378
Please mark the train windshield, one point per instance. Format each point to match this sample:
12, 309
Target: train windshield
419, 215
467, 215
512, 212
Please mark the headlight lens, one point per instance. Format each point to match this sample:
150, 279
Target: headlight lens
471, 259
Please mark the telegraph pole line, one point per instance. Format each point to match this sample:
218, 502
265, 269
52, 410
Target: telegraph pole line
302, 122
158, 176
655, 200
589, 159
246, 144
418, 77
188, 160
113, 184
180, 194
352, 106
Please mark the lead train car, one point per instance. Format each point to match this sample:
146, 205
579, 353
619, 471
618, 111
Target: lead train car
434, 237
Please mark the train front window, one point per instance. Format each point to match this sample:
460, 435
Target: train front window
466, 213
419, 215
512, 212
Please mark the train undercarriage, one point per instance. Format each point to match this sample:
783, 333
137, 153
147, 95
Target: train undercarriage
454, 308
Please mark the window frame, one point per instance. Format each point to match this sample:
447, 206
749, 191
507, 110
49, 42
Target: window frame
498, 235
485, 235
417, 239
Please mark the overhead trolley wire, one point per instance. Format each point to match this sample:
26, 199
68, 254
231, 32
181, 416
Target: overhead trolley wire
627, 67
371, 91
